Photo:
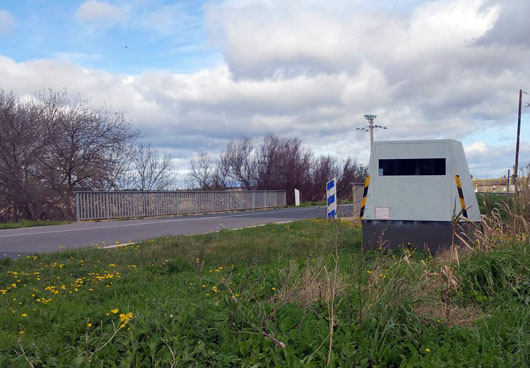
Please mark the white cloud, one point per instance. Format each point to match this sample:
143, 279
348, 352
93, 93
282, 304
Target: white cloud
280, 38
512, 27
7, 23
309, 70
476, 148
425, 59
494, 161
100, 12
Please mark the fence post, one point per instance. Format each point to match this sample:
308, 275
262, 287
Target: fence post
254, 200
107, 206
77, 206
226, 200
89, 205
265, 200
156, 203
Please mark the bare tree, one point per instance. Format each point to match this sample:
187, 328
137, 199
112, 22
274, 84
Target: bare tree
220, 177
282, 163
23, 142
295, 166
202, 170
88, 149
238, 163
323, 169
52, 146
149, 170
267, 157
350, 172
275, 163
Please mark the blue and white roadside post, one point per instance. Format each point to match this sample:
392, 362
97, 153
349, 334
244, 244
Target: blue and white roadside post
331, 191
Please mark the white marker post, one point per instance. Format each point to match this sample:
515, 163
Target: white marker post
296, 197
331, 191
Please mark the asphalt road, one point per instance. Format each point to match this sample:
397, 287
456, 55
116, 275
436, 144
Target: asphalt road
20, 242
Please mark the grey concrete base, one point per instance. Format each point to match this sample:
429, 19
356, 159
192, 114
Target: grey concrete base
434, 235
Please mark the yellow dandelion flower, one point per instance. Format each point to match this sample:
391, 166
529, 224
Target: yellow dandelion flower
24, 315
115, 310
427, 350
88, 325
21, 332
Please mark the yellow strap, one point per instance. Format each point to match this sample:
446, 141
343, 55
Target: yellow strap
363, 203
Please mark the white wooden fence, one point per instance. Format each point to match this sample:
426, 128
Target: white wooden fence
122, 204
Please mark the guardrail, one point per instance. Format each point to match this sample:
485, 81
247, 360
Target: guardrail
495, 193
98, 205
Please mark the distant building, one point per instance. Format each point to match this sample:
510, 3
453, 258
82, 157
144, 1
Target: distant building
493, 185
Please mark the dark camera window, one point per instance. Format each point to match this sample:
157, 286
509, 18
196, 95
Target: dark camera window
412, 166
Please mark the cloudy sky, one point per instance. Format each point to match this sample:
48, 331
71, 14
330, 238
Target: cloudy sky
193, 74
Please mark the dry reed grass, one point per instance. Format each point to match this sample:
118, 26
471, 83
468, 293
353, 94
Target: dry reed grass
505, 224
315, 283
435, 298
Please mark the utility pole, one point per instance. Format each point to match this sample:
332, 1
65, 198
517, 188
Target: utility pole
517, 142
370, 119
370, 127
508, 183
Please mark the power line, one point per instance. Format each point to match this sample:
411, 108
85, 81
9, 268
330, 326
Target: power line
370, 127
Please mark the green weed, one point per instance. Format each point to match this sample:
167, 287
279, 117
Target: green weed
28, 223
275, 296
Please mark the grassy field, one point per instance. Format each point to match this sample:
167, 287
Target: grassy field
291, 295
28, 223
